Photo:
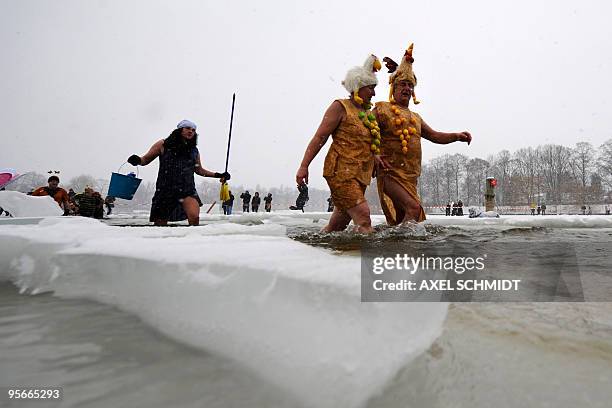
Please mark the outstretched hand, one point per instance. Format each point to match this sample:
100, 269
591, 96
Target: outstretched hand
134, 160
301, 177
224, 176
464, 137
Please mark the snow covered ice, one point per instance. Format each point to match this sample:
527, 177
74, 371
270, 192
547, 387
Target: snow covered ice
20, 205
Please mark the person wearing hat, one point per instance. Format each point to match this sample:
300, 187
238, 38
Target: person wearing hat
175, 196
350, 161
57, 193
399, 161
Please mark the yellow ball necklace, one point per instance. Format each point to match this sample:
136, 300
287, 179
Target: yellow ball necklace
402, 129
369, 121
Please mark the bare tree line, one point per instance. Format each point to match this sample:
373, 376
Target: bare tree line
550, 173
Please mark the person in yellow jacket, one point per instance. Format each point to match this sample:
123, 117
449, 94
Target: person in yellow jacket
224, 195
399, 161
350, 161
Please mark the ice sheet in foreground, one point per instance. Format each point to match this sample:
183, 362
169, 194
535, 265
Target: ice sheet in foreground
289, 312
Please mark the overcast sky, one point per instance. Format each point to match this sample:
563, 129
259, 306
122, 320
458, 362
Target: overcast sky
85, 84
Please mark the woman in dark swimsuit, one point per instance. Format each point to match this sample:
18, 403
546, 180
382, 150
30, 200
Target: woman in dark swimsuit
175, 196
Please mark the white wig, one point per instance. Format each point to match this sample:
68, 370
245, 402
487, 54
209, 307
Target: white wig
358, 77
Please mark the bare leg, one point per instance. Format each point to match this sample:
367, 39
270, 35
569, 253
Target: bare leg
160, 223
192, 209
360, 215
403, 202
337, 222
400, 214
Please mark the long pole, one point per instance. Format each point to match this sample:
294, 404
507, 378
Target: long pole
229, 140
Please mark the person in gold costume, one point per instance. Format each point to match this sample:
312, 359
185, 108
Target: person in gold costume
399, 162
350, 160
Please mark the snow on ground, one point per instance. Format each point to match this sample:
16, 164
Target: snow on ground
546, 221
288, 217
21, 205
289, 312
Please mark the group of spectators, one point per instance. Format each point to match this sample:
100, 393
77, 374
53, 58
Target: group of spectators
254, 202
454, 209
540, 209
89, 203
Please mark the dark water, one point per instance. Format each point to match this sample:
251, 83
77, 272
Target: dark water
103, 357
553, 264
523, 354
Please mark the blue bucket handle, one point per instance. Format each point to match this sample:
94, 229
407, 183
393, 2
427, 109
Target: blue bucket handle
120, 167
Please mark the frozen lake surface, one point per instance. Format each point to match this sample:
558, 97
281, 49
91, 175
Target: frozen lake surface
263, 310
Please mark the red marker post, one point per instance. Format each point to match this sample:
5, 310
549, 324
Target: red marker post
490, 194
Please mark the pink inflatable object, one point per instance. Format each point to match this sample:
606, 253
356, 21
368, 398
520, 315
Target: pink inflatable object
6, 176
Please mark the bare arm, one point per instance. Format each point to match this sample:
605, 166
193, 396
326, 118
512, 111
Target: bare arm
153, 152
442, 137
332, 118
201, 171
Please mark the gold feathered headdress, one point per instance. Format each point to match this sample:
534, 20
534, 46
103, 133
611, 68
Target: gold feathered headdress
402, 73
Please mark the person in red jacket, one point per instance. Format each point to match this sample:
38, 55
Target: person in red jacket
54, 191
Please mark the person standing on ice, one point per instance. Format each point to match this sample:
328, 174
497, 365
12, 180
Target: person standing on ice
268, 202
349, 162
460, 208
109, 203
399, 161
255, 202
228, 204
175, 196
54, 191
246, 201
